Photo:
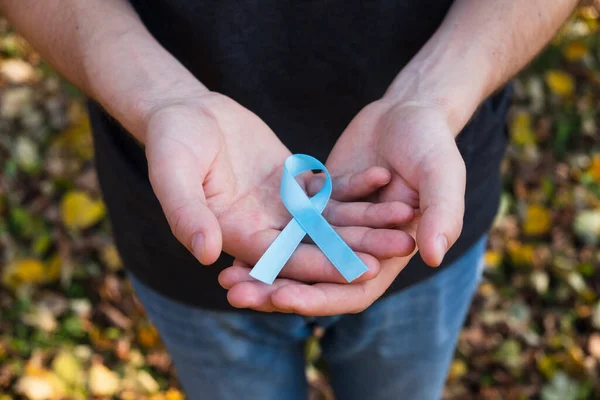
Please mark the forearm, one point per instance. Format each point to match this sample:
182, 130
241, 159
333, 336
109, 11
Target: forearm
478, 48
103, 48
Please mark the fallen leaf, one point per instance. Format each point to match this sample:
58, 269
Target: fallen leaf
575, 51
77, 139
24, 271
110, 256
458, 369
520, 254
18, 71
41, 318
13, 100
79, 211
594, 169
35, 388
586, 226
26, 154
102, 381
146, 383
174, 394
537, 220
493, 259
147, 335
561, 387
521, 131
560, 83
67, 367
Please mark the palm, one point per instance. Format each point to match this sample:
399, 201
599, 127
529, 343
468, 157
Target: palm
220, 171
416, 146
415, 143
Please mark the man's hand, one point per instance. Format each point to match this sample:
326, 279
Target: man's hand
216, 169
411, 132
415, 143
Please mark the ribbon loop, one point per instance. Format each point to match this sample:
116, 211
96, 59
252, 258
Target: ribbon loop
307, 219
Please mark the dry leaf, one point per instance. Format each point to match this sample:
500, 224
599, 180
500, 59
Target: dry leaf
537, 220
575, 51
18, 71
147, 335
79, 211
521, 130
102, 381
110, 255
560, 83
67, 367
25, 271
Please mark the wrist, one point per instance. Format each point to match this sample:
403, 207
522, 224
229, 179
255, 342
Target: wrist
455, 98
149, 80
448, 74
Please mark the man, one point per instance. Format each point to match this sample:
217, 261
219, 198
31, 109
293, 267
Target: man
404, 99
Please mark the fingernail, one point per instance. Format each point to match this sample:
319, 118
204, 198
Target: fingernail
442, 245
198, 245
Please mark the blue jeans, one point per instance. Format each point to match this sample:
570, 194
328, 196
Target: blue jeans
399, 348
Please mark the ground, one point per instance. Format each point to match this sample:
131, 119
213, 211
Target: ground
70, 326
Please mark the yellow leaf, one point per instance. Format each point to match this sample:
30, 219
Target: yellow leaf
174, 394
457, 370
67, 367
147, 335
53, 266
521, 130
546, 366
79, 211
102, 381
171, 394
77, 139
537, 220
111, 257
575, 51
560, 83
594, 168
493, 258
520, 254
24, 271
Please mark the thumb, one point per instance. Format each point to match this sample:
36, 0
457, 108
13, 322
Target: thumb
442, 177
177, 174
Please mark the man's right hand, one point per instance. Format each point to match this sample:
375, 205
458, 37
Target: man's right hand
216, 169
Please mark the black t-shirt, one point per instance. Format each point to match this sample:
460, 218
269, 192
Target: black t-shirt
306, 68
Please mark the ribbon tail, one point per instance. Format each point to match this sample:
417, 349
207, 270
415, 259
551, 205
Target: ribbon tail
274, 259
332, 245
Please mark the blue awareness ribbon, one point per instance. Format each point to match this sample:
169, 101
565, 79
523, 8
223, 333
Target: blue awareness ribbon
307, 219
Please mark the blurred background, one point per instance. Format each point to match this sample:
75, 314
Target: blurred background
71, 328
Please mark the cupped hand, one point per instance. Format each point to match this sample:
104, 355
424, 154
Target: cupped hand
216, 168
415, 143
319, 299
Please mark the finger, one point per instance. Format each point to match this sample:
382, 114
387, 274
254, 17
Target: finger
380, 243
233, 275
441, 194
324, 299
352, 186
256, 295
177, 182
307, 263
374, 215
247, 292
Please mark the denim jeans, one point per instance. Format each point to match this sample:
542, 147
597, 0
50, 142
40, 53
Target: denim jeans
399, 348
